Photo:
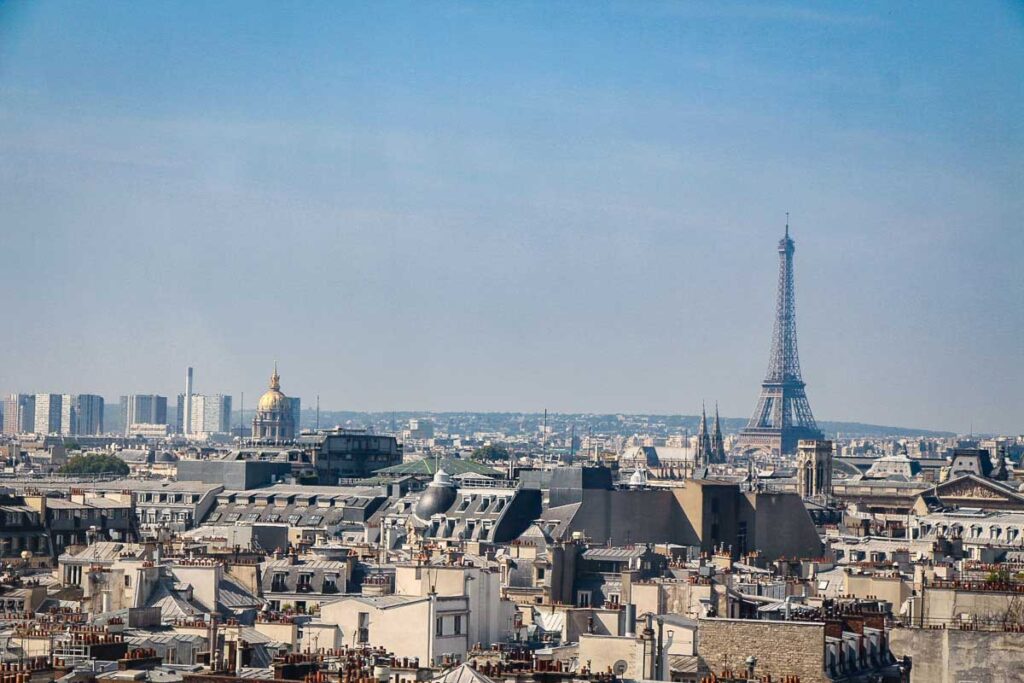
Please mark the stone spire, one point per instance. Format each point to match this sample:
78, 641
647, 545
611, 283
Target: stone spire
717, 443
702, 457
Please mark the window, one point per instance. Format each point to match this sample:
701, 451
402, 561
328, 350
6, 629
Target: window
613, 598
457, 626
439, 626
540, 573
364, 627
127, 581
583, 598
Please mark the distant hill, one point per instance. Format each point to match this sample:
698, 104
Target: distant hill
857, 429
621, 423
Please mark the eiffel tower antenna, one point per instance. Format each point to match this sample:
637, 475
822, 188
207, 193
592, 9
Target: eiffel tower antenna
783, 415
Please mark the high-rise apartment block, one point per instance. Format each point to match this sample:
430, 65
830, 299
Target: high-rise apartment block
48, 414
67, 414
86, 414
209, 414
19, 413
149, 409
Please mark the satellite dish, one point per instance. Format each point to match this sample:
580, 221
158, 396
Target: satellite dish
620, 667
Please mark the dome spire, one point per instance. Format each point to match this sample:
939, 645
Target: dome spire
275, 379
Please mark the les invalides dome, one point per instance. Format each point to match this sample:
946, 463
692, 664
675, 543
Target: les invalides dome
274, 420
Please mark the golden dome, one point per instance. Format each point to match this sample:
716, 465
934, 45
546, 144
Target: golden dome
273, 400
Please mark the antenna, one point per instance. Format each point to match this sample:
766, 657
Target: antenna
241, 414
318, 412
787, 224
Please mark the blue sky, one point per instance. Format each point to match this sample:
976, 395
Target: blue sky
513, 206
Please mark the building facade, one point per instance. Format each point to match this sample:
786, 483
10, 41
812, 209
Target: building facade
86, 415
814, 468
350, 453
209, 414
47, 413
19, 413
149, 409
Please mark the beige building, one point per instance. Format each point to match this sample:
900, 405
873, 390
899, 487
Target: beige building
490, 619
425, 628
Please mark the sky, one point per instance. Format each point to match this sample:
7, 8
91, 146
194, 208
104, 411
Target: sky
517, 206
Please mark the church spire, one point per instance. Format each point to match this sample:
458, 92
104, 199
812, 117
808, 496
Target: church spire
717, 443
275, 379
703, 454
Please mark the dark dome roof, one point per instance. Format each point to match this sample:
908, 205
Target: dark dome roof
438, 497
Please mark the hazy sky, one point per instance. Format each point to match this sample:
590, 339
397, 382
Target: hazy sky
513, 206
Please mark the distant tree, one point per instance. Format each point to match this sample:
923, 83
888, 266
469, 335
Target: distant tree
491, 453
95, 463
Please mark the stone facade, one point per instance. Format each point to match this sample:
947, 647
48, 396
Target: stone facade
793, 648
955, 656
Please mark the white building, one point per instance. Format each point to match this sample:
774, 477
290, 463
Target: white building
427, 628
48, 414
210, 414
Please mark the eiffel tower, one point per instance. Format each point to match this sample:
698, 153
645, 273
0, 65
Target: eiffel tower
783, 415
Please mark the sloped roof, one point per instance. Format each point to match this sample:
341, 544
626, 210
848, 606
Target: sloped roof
463, 673
234, 595
172, 605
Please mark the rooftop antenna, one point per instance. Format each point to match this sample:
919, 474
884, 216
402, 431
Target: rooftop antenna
787, 225
241, 414
318, 412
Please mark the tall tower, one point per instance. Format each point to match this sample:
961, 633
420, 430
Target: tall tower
814, 469
717, 443
703, 455
187, 422
783, 415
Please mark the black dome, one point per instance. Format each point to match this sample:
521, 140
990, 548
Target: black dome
438, 497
